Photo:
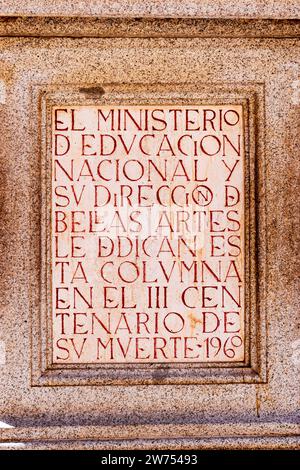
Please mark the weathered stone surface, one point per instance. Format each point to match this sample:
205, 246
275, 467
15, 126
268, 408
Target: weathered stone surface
155, 8
217, 407
148, 234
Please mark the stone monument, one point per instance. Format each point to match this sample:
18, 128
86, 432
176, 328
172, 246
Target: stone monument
149, 163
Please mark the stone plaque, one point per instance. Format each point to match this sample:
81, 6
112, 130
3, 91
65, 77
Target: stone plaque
149, 219
148, 234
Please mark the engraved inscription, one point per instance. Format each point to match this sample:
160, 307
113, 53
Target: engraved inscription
147, 234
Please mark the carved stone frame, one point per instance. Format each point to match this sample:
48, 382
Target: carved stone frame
253, 369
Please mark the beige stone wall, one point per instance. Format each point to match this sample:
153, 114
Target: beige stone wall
47, 62
276, 9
